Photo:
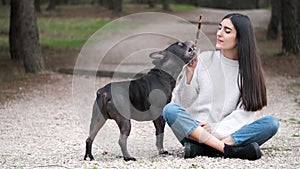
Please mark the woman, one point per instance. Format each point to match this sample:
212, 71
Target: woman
213, 105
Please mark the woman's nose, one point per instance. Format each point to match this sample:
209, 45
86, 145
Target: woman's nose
219, 33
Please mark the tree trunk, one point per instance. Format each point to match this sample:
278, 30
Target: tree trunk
257, 4
15, 31
151, 3
100, 2
3, 2
273, 26
117, 6
298, 11
166, 5
109, 4
290, 27
52, 5
37, 5
196, 2
66, 2
28, 46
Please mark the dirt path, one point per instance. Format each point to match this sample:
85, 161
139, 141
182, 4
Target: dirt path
41, 130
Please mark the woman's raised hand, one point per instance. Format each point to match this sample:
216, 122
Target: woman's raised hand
190, 68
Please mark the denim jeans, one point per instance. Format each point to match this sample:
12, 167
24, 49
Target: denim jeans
182, 124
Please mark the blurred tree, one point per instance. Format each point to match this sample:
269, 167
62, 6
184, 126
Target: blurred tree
273, 26
166, 5
23, 35
117, 6
52, 5
151, 3
37, 5
290, 26
193, 2
3, 2
101, 2
15, 31
257, 4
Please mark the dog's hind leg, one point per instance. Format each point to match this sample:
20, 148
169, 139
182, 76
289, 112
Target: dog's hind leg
159, 124
125, 127
97, 122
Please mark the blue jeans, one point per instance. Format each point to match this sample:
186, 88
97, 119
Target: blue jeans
182, 124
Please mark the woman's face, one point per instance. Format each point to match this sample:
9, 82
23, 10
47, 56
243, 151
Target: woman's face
226, 36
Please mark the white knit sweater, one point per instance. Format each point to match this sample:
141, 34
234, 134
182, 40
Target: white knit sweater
213, 94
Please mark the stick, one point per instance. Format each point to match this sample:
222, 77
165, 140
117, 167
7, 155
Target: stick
198, 31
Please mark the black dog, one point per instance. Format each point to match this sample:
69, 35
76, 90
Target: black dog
142, 99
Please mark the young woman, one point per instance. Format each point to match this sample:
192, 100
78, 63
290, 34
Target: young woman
213, 105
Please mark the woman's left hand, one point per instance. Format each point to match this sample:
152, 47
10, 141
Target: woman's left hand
206, 126
190, 68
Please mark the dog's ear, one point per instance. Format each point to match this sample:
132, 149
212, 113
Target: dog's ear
157, 55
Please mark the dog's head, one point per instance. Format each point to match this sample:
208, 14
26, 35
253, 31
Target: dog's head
174, 57
184, 51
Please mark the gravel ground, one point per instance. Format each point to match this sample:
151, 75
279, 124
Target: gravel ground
43, 130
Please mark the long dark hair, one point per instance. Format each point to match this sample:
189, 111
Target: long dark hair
251, 82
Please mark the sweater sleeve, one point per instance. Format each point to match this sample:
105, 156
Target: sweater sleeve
232, 122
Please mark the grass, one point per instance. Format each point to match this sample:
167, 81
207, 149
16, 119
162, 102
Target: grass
95, 167
67, 33
182, 7
290, 121
294, 121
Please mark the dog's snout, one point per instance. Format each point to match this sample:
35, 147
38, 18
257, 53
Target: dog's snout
192, 51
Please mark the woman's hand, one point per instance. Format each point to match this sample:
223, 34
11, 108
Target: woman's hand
190, 68
206, 126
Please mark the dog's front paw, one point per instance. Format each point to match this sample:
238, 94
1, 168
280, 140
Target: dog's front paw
88, 157
129, 159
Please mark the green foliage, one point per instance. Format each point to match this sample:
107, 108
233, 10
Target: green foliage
95, 167
4, 26
182, 7
67, 33
290, 120
294, 121
56, 32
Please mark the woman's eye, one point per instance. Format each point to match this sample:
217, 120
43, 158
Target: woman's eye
227, 31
